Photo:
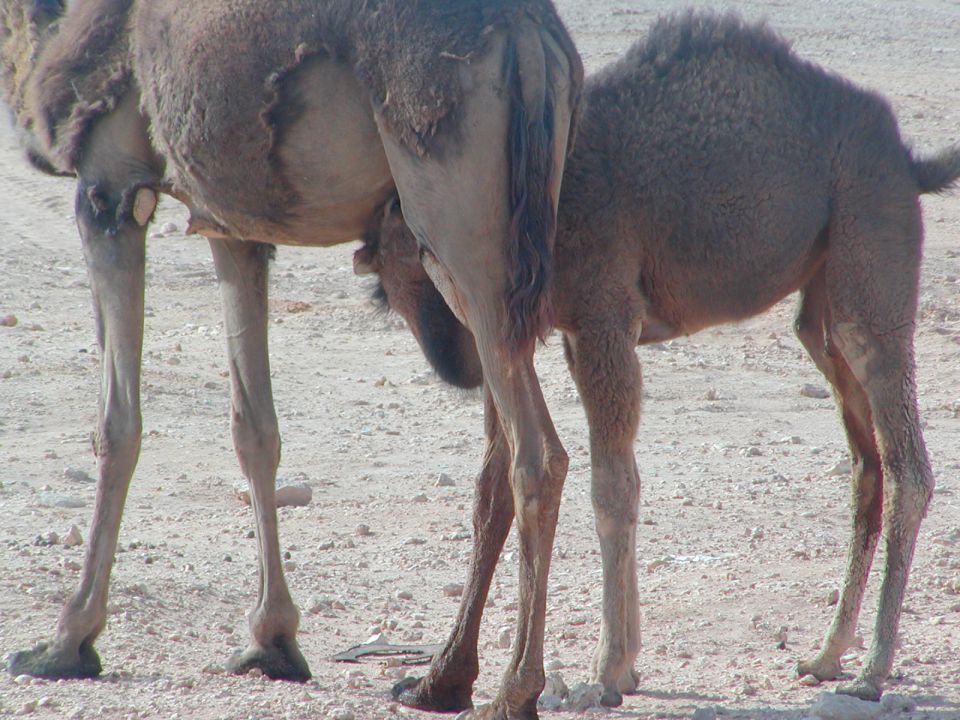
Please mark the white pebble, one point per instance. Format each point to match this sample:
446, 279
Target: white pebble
814, 391
77, 475
830, 706
503, 639
73, 537
444, 480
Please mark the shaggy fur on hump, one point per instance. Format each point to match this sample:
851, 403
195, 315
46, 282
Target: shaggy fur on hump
82, 73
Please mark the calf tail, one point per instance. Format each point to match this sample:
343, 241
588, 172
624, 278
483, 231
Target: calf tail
938, 173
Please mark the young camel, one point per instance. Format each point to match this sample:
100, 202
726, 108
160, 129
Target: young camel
714, 174
292, 123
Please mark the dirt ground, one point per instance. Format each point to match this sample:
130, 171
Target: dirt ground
745, 500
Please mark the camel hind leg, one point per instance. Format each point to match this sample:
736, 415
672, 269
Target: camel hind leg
457, 202
242, 272
871, 284
604, 364
867, 478
113, 205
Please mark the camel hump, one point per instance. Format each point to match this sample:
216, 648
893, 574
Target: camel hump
540, 68
939, 173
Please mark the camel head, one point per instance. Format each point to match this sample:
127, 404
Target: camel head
25, 26
391, 252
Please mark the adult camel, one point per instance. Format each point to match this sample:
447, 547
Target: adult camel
291, 122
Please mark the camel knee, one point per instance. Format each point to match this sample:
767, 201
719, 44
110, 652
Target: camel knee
101, 210
118, 435
256, 440
538, 481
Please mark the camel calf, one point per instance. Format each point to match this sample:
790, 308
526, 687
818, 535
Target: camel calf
714, 173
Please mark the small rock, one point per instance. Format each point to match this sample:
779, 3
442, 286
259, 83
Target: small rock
421, 498
842, 468
168, 227
892, 702
830, 706
362, 530
59, 501
814, 391
444, 480
342, 714
28, 708
73, 537
554, 665
583, 697
289, 493
404, 595
453, 590
809, 681
549, 702
50, 538
77, 475
707, 713
555, 685
8, 321
503, 639
415, 541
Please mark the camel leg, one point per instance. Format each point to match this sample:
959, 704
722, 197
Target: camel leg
872, 300
448, 686
605, 366
456, 201
242, 272
113, 206
867, 479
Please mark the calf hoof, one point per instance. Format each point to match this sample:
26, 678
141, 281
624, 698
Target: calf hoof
821, 668
419, 693
863, 689
611, 698
54, 662
280, 661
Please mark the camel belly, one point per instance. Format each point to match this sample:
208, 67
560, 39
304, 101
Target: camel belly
307, 169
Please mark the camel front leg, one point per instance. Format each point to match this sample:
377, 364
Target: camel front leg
242, 272
114, 202
448, 686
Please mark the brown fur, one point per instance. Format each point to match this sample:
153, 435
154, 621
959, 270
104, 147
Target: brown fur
715, 173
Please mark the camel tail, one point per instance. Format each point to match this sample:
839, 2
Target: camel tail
529, 252
939, 173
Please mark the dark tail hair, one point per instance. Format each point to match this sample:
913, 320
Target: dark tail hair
532, 215
938, 173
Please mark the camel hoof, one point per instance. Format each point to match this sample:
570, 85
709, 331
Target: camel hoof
862, 689
46, 661
281, 661
820, 668
629, 682
611, 698
417, 693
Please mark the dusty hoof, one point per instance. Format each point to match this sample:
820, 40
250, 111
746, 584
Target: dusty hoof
862, 689
417, 693
611, 698
820, 668
45, 661
629, 682
280, 661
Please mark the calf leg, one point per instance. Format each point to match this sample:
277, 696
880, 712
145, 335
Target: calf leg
605, 366
242, 271
867, 479
113, 206
448, 686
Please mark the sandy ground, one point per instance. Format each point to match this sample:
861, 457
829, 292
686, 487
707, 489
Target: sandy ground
744, 518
